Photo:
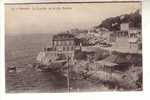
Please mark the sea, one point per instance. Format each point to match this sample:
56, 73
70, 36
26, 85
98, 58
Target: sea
22, 49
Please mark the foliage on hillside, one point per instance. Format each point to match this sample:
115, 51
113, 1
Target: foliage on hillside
113, 23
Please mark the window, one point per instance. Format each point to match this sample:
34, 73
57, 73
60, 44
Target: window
67, 48
64, 48
67, 42
72, 48
62, 43
49, 49
59, 42
71, 42
56, 42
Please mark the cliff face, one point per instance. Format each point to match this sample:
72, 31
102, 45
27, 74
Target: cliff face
45, 58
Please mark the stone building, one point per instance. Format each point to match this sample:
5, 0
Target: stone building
123, 32
135, 38
63, 46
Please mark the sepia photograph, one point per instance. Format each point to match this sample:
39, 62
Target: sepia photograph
55, 47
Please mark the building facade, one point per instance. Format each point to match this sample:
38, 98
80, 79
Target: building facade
135, 38
63, 46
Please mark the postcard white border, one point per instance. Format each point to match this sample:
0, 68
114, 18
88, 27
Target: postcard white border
87, 96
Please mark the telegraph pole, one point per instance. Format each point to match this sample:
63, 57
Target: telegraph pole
68, 75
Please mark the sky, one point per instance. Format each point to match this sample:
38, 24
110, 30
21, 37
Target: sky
54, 18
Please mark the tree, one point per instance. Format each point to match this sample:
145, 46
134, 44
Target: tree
113, 23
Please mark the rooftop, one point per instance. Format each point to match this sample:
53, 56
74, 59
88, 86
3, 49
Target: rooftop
63, 36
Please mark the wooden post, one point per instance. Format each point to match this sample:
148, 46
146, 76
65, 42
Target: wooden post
68, 75
111, 72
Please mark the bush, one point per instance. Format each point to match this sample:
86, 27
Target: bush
101, 54
79, 55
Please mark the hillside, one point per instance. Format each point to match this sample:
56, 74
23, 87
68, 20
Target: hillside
113, 23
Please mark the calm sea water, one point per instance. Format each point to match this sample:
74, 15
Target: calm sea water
23, 49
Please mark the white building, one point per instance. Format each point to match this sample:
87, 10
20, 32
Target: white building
124, 26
